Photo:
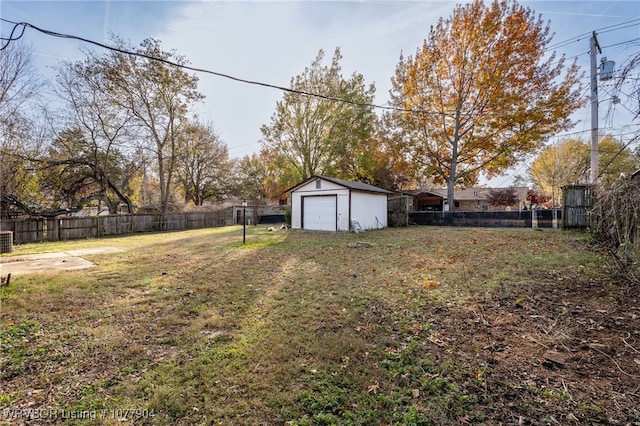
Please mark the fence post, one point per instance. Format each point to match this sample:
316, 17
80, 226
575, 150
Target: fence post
56, 228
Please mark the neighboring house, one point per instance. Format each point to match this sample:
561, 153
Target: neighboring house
327, 204
471, 199
426, 200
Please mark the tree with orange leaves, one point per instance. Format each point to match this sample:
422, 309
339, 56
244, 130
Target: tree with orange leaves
480, 94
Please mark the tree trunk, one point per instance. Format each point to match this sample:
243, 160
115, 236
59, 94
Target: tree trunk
453, 171
256, 205
451, 182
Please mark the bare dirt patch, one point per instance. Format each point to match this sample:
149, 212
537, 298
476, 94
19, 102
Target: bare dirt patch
559, 349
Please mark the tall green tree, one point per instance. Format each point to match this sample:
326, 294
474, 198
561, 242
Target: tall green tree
19, 177
253, 179
308, 135
481, 93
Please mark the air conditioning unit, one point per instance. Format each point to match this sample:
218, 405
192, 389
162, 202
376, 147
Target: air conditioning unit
6, 241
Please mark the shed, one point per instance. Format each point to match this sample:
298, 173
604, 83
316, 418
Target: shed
322, 203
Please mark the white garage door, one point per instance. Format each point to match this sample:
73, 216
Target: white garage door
319, 212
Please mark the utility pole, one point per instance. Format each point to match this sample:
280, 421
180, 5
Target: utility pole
594, 106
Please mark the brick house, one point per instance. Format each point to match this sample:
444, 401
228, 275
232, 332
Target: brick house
470, 199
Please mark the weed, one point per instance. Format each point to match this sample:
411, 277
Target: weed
414, 418
18, 345
325, 395
6, 399
88, 398
556, 394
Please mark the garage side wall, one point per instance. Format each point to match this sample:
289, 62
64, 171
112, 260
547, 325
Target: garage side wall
369, 209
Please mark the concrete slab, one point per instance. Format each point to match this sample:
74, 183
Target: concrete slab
58, 261
64, 263
28, 257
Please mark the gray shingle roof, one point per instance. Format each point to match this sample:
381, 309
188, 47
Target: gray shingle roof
355, 185
358, 186
476, 193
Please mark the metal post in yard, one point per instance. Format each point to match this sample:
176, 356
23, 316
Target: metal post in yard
244, 221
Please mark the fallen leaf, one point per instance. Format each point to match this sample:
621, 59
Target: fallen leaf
373, 388
430, 284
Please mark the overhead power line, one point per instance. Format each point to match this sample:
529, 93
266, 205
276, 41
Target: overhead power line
610, 129
25, 25
633, 40
19, 29
603, 30
511, 176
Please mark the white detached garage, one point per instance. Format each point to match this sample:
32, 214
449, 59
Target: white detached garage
328, 204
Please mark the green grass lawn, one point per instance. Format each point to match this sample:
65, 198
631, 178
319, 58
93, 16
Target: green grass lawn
291, 328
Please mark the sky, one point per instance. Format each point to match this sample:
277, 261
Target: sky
273, 41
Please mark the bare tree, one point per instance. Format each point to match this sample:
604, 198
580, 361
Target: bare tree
104, 132
19, 86
158, 96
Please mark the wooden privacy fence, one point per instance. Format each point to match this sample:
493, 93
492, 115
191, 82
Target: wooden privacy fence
71, 228
398, 209
577, 202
